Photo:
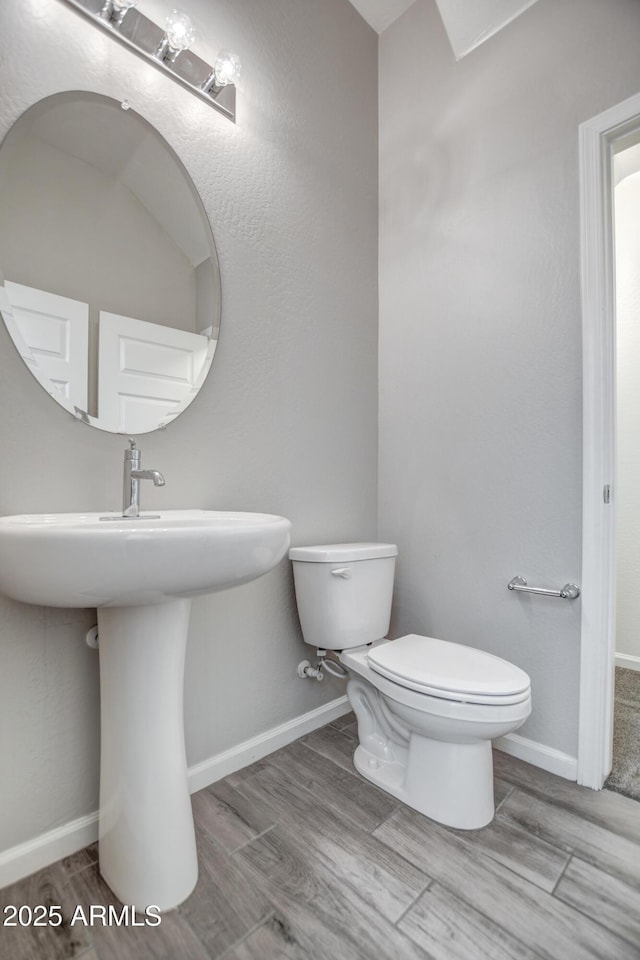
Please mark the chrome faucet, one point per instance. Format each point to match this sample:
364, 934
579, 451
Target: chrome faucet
131, 481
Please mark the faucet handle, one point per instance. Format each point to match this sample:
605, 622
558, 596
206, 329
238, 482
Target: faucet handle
133, 453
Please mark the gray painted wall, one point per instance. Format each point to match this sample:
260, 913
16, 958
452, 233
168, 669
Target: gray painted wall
286, 422
480, 365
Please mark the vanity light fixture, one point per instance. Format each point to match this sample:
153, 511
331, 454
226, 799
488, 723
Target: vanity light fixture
179, 35
226, 69
168, 49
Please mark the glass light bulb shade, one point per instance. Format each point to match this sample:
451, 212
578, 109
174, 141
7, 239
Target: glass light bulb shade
227, 68
179, 30
125, 5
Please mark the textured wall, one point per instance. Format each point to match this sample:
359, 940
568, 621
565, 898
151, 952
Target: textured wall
627, 219
480, 367
286, 422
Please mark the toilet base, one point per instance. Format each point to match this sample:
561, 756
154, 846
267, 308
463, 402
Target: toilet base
432, 753
451, 783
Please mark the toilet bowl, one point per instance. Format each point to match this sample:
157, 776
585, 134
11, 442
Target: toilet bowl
433, 750
427, 709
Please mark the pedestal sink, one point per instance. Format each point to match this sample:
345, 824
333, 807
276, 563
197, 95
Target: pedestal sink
140, 574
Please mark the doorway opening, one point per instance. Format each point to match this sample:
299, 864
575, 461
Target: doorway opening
612, 134
625, 772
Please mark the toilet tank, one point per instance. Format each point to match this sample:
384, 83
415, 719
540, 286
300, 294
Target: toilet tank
343, 592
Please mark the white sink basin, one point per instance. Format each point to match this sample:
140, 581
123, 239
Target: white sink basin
79, 560
140, 574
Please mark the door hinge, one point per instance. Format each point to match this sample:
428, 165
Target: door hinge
606, 493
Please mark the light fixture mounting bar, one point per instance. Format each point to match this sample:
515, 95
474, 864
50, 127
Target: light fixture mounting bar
144, 37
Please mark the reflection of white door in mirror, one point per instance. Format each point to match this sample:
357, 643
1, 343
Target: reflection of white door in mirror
51, 334
147, 372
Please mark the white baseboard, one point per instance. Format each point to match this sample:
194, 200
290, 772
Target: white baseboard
627, 661
547, 758
208, 771
41, 851
46, 848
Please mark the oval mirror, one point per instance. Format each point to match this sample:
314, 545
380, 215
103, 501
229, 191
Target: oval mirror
109, 279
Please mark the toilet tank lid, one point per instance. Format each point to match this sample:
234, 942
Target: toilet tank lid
343, 552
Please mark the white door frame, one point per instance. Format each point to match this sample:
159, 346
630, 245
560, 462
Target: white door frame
597, 139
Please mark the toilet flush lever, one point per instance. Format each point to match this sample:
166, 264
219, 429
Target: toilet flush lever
343, 572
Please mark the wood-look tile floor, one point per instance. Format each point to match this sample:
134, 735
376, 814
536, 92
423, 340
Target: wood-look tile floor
302, 859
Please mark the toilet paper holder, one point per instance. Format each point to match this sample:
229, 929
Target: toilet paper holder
570, 591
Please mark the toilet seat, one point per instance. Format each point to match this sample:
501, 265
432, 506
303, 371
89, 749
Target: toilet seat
449, 671
356, 660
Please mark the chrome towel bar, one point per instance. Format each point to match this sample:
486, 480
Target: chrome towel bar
570, 591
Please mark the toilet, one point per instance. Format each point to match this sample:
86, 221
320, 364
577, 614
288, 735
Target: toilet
427, 709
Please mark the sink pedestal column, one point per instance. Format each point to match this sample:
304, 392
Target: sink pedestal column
147, 840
